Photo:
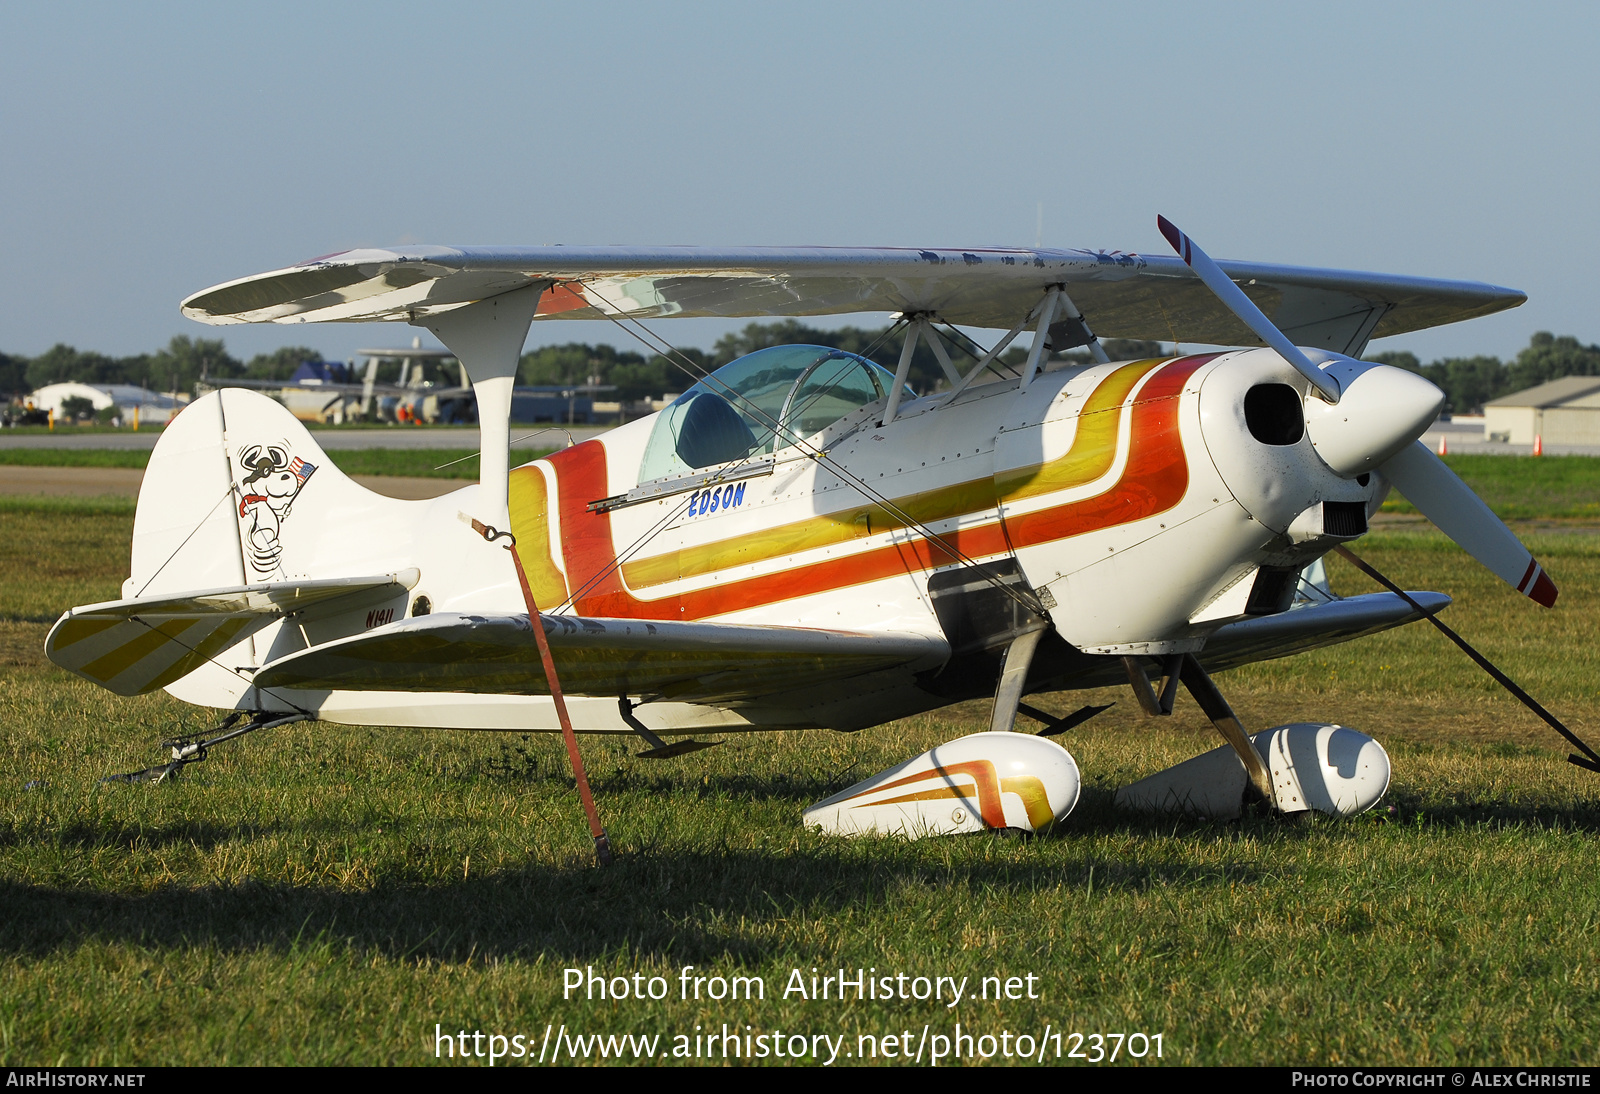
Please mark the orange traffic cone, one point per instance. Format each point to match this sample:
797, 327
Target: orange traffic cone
1444, 446
1538, 444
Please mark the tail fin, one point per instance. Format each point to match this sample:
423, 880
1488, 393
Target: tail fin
242, 523
238, 493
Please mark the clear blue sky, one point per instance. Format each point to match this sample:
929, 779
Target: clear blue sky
150, 150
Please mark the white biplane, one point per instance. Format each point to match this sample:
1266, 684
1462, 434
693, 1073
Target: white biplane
801, 541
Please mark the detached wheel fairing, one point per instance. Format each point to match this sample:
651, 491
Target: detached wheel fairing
1328, 769
984, 781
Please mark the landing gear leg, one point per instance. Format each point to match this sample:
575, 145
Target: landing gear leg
1216, 708
1013, 677
1150, 702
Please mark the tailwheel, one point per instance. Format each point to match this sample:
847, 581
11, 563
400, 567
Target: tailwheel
194, 748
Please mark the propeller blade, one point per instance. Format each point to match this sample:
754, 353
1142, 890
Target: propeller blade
1441, 496
1242, 306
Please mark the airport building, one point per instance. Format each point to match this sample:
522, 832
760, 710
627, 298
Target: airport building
154, 408
1560, 412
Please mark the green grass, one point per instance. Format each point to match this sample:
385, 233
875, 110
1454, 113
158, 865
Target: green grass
75, 457
426, 463
431, 463
1526, 487
325, 894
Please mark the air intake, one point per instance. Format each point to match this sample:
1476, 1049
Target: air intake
1347, 519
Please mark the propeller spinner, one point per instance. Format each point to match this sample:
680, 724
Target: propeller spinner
1370, 420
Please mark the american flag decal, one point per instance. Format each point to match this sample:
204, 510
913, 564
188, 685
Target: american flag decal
301, 469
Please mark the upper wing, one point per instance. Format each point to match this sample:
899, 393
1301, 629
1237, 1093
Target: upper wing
497, 654
139, 645
1122, 295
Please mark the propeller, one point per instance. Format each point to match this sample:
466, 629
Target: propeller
1245, 308
1376, 428
1441, 496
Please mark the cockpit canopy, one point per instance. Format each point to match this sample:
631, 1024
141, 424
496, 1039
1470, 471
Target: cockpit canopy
761, 402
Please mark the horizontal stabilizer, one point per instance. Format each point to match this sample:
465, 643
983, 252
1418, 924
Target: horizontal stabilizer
1312, 627
497, 654
136, 646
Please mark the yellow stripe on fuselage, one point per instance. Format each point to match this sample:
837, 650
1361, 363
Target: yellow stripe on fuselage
529, 505
1093, 450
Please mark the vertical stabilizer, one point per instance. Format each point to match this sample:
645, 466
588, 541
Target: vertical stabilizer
238, 493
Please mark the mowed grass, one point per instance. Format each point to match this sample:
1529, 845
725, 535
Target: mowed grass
427, 463
1526, 487
325, 894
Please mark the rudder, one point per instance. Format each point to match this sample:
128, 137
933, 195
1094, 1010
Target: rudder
237, 492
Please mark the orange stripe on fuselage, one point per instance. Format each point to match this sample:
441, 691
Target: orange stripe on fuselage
1153, 481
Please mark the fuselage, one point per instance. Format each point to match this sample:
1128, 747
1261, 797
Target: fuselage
1139, 505
1100, 481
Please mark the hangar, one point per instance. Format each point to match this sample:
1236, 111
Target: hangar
1561, 412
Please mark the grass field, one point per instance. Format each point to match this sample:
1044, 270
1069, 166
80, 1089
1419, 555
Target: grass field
327, 894
1527, 487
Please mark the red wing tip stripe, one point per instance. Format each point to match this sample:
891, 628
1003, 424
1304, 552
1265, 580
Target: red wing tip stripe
1527, 577
1544, 590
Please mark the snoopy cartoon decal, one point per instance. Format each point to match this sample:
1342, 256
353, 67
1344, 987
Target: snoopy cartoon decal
266, 493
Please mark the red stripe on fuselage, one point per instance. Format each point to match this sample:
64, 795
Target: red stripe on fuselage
1154, 480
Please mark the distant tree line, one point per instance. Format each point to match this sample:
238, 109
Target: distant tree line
176, 368
640, 375
1468, 382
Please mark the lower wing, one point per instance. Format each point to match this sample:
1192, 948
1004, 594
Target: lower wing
693, 662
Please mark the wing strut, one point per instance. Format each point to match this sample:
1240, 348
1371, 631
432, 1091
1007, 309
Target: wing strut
919, 329
1073, 330
487, 338
1051, 333
1041, 335
907, 350
988, 358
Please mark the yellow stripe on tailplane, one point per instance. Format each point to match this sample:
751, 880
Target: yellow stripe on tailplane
73, 631
125, 656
